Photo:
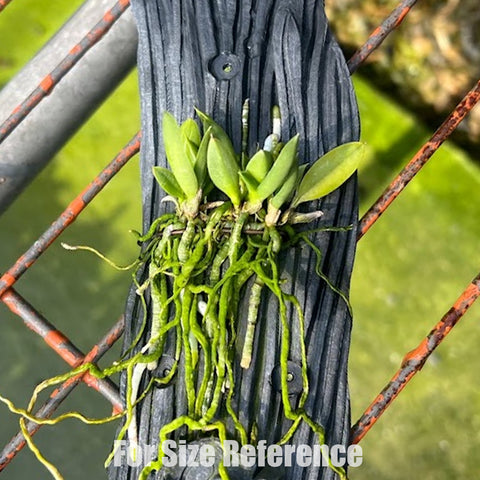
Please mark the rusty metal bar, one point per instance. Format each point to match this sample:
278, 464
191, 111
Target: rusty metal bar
17, 443
58, 342
419, 160
377, 37
414, 360
4, 3
48, 127
69, 215
53, 78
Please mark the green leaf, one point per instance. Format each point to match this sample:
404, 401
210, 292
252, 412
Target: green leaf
217, 131
287, 189
279, 170
166, 179
200, 166
190, 150
223, 170
329, 172
259, 165
192, 138
177, 157
301, 172
191, 131
250, 182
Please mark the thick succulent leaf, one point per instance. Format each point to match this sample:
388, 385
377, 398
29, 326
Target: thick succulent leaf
217, 131
166, 179
329, 172
200, 166
223, 170
259, 165
287, 189
191, 131
250, 182
177, 157
301, 172
190, 150
279, 170
192, 138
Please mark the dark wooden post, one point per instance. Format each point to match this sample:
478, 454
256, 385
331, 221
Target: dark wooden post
214, 54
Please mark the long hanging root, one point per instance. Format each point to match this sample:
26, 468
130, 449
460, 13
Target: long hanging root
192, 278
299, 414
193, 425
34, 449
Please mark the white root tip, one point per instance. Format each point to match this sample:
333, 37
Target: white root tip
277, 127
66, 246
132, 431
270, 142
305, 217
245, 362
202, 308
152, 365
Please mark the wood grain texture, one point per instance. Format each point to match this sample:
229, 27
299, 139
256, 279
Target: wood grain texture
280, 52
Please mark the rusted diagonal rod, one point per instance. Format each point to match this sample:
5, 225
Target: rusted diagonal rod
17, 443
419, 160
380, 33
4, 3
414, 360
58, 342
69, 215
53, 78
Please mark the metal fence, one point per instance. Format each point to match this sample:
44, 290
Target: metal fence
61, 344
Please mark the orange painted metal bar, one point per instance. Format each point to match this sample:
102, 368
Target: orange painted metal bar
4, 3
414, 360
17, 443
377, 37
419, 160
58, 342
52, 79
69, 215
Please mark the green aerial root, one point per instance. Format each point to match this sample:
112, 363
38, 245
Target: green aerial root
198, 263
195, 295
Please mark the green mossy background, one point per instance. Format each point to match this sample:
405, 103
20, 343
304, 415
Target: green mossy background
410, 268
